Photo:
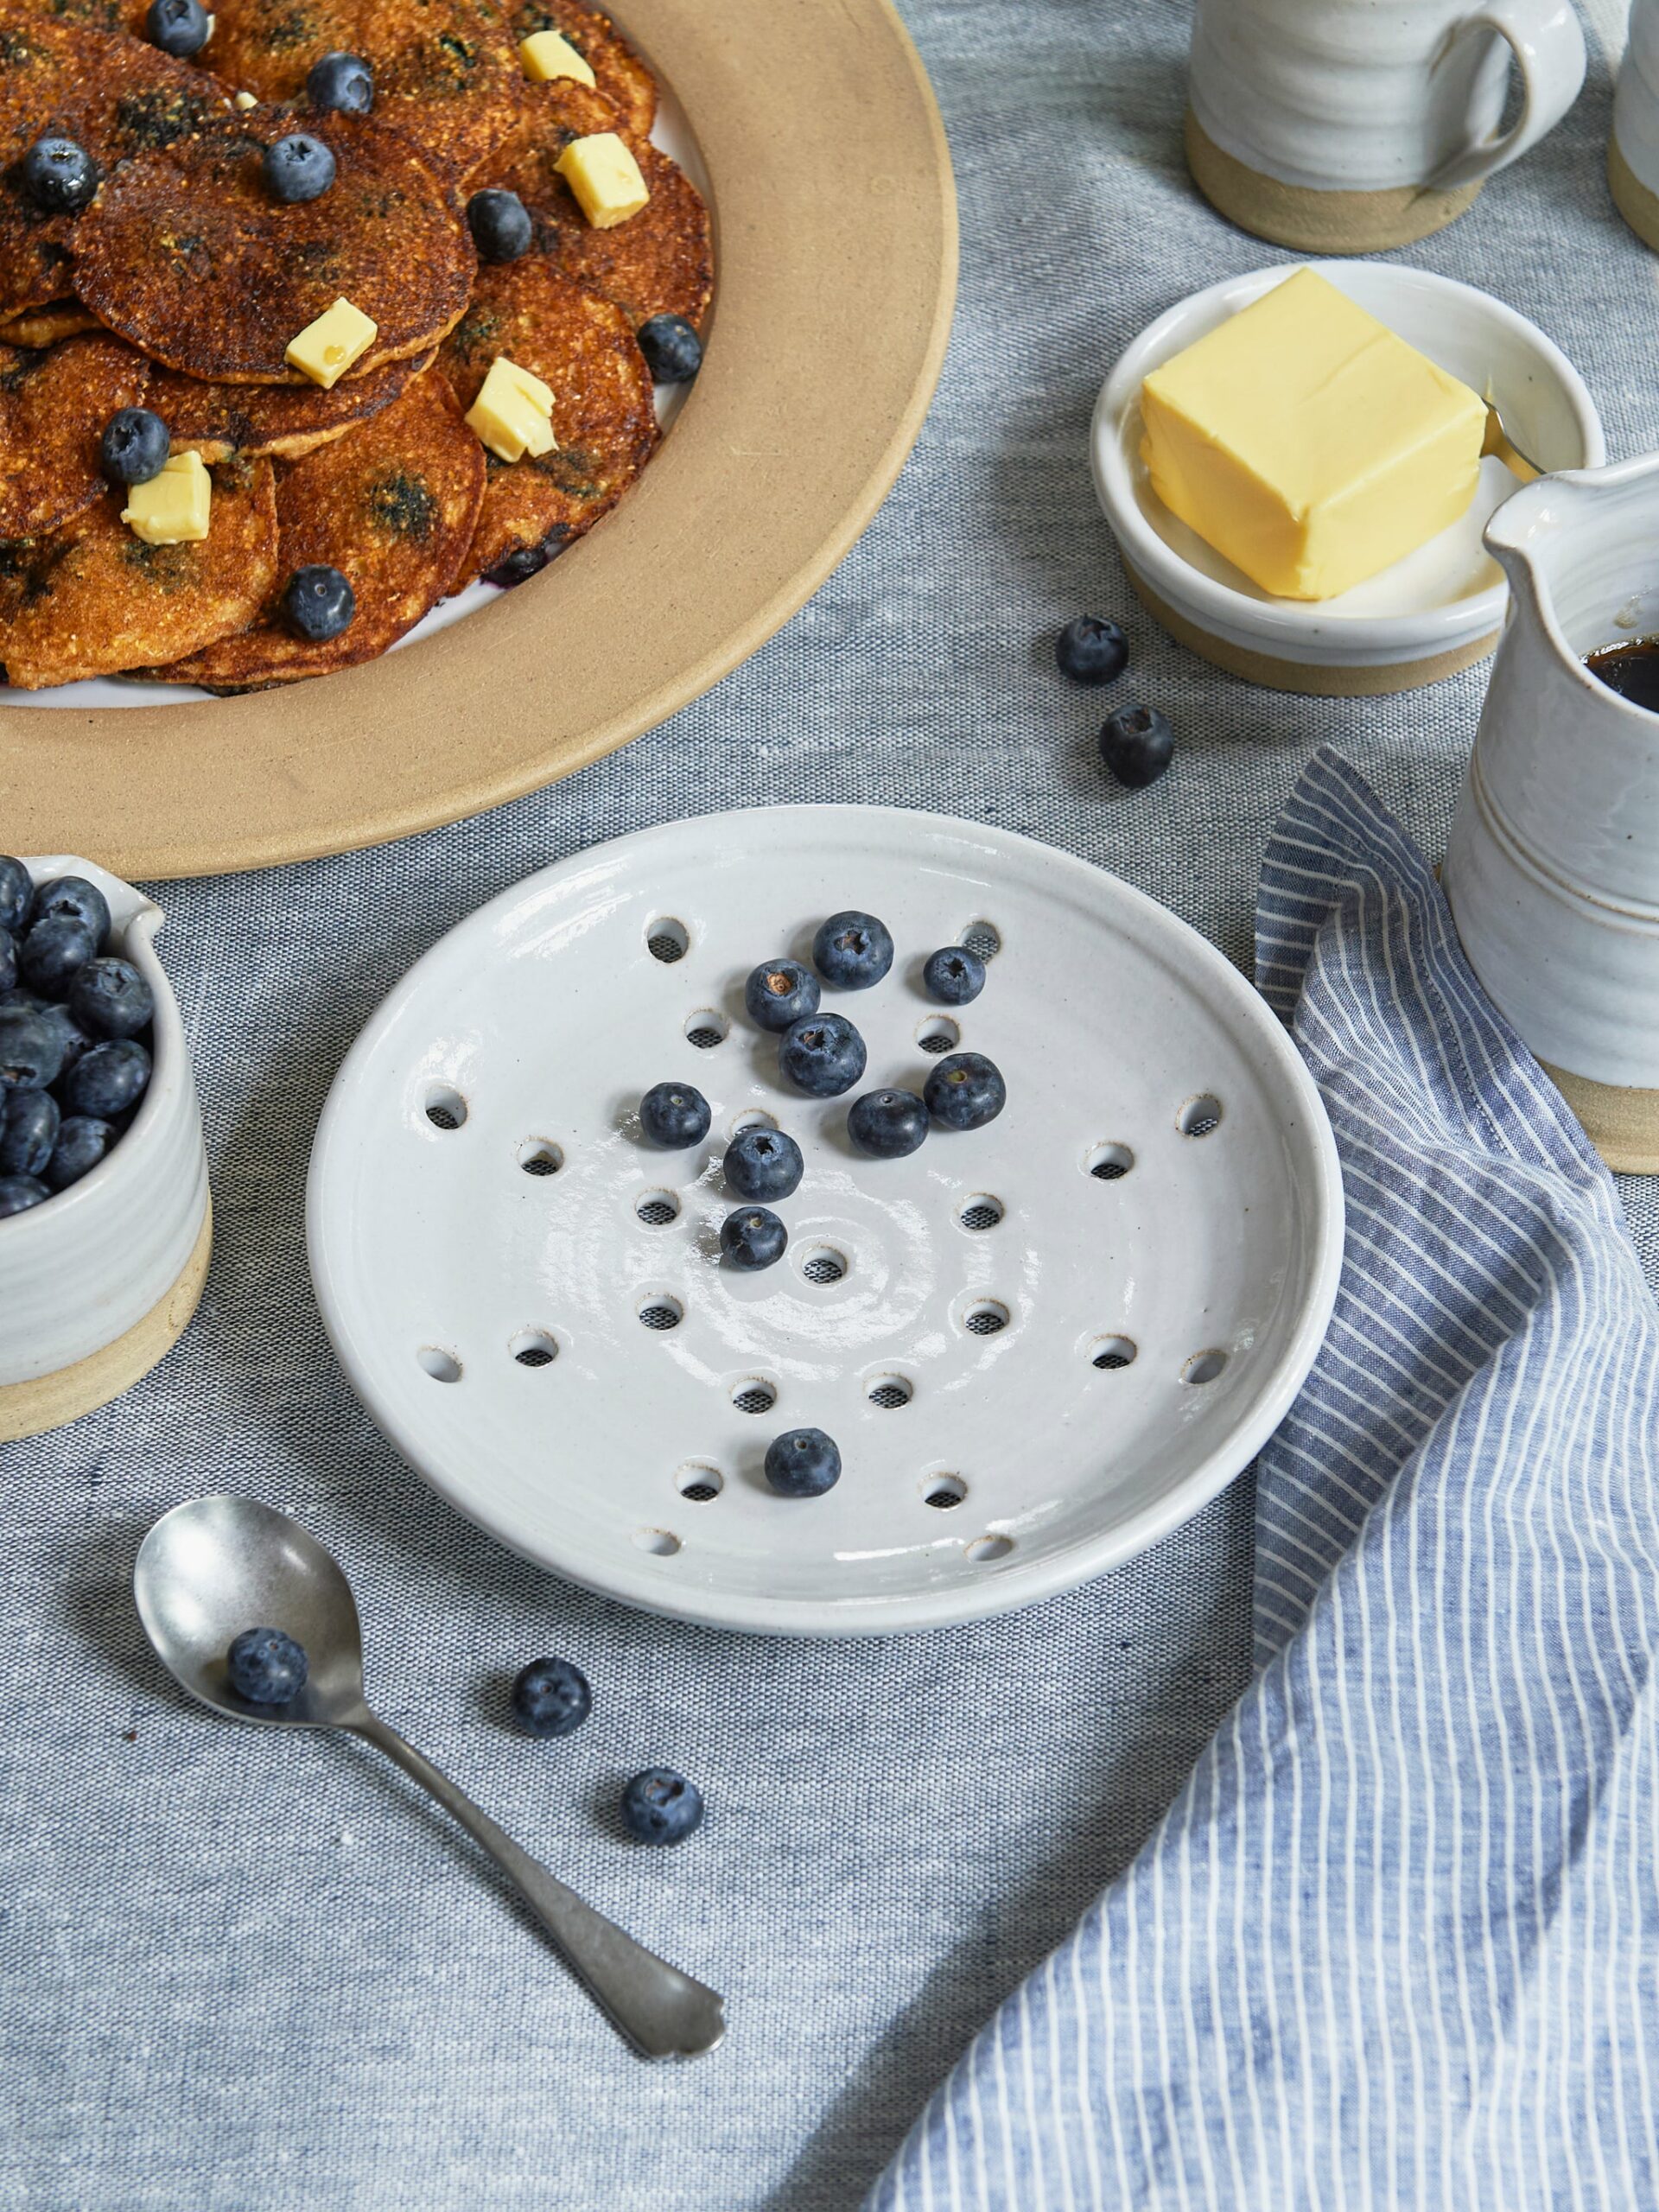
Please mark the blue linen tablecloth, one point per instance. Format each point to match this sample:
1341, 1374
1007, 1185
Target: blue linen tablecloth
242, 1975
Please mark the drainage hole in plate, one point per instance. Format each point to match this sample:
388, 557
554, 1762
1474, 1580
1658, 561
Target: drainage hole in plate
890, 1392
755, 1395
1107, 1163
663, 1541
981, 1211
822, 1264
984, 1549
661, 1311
534, 1348
1111, 1353
943, 1492
667, 940
445, 1107
443, 1366
938, 1033
538, 1157
983, 938
1203, 1367
1199, 1116
699, 1481
657, 1209
986, 1317
753, 1117
705, 1028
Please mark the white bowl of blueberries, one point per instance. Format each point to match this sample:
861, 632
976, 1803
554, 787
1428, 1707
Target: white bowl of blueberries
103, 1176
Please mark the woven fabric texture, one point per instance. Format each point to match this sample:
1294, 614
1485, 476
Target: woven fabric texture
247, 1972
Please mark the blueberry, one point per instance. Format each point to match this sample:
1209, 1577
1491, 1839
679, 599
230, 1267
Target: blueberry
72, 1039
823, 1056
135, 446
965, 1090
81, 901
500, 225
1137, 745
19, 1192
298, 167
752, 1238
954, 976
318, 603
852, 950
661, 1807
763, 1164
8, 960
28, 1130
54, 952
342, 81
803, 1463
1090, 651
31, 1052
674, 1115
17, 894
520, 565
107, 1080
179, 28
82, 1143
266, 1666
887, 1124
551, 1697
781, 992
110, 998
672, 349
58, 176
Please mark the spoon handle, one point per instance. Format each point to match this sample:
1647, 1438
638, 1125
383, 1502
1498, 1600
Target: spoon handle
662, 2012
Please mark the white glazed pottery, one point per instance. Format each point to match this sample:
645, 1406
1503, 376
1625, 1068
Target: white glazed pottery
1338, 126
1552, 866
1427, 616
1633, 144
1040, 1345
97, 1283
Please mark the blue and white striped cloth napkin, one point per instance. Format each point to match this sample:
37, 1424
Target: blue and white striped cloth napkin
1398, 1943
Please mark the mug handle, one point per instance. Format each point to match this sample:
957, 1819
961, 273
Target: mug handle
1547, 43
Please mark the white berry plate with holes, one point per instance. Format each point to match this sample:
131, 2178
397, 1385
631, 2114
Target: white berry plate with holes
1039, 1346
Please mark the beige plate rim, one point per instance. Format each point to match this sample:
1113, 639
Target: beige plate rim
836, 221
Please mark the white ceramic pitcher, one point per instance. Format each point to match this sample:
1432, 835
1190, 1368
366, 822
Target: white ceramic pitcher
1552, 867
1340, 126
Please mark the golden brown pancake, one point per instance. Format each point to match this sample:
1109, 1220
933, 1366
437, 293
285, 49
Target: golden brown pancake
603, 413
392, 506
113, 96
46, 325
446, 72
93, 600
218, 420
54, 405
621, 74
89, 14
188, 255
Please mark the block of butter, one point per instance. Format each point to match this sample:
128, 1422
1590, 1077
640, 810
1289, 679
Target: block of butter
544, 55
513, 412
604, 177
174, 507
1308, 444
325, 349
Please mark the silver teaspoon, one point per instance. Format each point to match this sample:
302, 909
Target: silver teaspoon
217, 1565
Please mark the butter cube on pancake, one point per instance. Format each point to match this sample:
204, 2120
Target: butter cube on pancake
604, 177
174, 507
335, 342
513, 413
54, 404
618, 71
545, 55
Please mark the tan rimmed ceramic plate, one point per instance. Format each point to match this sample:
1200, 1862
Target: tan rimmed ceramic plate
836, 260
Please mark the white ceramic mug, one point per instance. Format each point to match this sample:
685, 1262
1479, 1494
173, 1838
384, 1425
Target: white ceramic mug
1341, 126
1633, 147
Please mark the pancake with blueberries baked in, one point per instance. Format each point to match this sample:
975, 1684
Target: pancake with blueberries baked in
618, 73
54, 404
281, 420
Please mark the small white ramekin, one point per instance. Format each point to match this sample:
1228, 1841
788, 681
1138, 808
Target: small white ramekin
97, 1284
1376, 640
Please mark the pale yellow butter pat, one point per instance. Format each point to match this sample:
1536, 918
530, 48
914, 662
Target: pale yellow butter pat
513, 412
1308, 444
174, 507
545, 55
325, 349
604, 177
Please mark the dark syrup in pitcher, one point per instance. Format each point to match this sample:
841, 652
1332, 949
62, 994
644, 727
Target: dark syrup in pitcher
1630, 669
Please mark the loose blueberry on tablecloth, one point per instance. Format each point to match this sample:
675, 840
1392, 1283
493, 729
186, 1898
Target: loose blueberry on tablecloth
551, 1697
1136, 746
1091, 650
661, 1807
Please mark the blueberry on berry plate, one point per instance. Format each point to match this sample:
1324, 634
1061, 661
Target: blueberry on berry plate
672, 349
1090, 651
763, 1164
752, 1238
8, 961
803, 1463
318, 603
82, 902
500, 225
661, 1807
72, 1039
551, 1697
17, 894
19, 1192
179, 28
344, 82
954, 976
108, 1080
58, 176
781, 992
965, 1090
110, 998
29, 1131
54, 953
887, 1124
135, 446
1137, 745
266, 1666
824, 1056
852, 950
674, 1115
82, 1143
31, 1050
297, 168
